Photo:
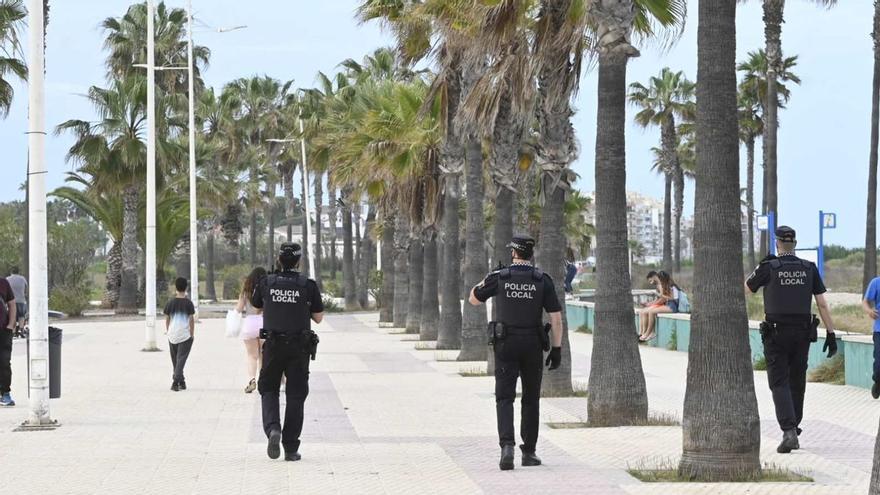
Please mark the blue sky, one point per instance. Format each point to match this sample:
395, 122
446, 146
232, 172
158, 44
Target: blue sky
823, 141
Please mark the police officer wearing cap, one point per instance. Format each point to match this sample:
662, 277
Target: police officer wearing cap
790, 284
522, 294
290, 302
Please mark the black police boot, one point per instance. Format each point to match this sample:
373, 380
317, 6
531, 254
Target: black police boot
530, 459
291, 456
274, 448
506, 463
875, 390
789, 442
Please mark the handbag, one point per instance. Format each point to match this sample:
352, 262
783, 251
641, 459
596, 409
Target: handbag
233, 323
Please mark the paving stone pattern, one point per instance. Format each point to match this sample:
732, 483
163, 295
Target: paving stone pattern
382, 417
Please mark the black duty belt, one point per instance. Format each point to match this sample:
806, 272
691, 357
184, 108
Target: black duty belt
522, 330
789, 325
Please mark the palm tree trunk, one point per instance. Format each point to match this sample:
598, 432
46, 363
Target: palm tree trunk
416, 284
503, 233
667, 223
473, 329
210, 290
114, 276
253, 239
331, 204
750, 197
430, 321
319, 247
348, 275
773, 19
449, 335
128, 290
386, 310
722, 430
401, 270
678, 178
618, 395
287, 180
270, 224
871, 219
765, 238
365, 267
441, 271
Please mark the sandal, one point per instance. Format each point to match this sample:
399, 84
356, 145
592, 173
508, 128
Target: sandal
251, 386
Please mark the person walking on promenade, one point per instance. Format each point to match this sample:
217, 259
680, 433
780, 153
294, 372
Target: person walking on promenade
523, 293
790, 285
250, 328
871, 305
19, 286
290, 302
180, 328
7, 327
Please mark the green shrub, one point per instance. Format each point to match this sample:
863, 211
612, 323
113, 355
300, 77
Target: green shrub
673, 341
584, 329
69, 300
330, 305
760, 364
232, 277
831, 371
332, 288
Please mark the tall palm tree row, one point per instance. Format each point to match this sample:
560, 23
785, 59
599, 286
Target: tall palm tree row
667, 97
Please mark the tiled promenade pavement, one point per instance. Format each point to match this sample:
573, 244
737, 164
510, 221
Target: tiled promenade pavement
382, 417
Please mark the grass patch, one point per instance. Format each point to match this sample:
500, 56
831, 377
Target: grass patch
851, 318
830, 371
673, 341
668, 472
426, 346
654, 419
578, 390
760, 364
583, 329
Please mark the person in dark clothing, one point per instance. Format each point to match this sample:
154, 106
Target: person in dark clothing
571, 271
180, 328
522, 294
7, 328
790, 284
290, 302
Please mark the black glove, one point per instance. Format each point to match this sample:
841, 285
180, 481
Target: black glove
554, 359
830, 344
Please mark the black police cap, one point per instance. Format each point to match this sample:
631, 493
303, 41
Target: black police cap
522, 243
290, 250
786, 234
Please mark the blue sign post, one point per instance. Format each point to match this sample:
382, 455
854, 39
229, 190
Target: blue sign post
767, 223
826, 221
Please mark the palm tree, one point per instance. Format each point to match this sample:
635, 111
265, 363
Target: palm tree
12, 14
751, 125
773, 19
667, 97
617, 384
870, 270
722, 431
754, 86
473, 330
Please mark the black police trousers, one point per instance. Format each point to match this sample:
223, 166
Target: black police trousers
786, 350
286, 356
518, 356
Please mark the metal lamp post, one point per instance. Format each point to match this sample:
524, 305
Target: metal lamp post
38, 362
150, 337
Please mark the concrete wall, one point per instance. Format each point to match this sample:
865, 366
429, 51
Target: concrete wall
674, 331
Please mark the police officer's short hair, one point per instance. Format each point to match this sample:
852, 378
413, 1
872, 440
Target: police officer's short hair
289, 255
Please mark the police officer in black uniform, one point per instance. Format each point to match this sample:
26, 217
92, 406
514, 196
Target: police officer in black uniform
290, 302
522, 294
790, 284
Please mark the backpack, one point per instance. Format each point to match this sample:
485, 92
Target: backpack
684, 304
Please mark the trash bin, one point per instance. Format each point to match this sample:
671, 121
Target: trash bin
54, 362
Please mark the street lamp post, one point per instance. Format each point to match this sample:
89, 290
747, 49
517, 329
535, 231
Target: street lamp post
38, 361
308, 213
193, 219
150, 338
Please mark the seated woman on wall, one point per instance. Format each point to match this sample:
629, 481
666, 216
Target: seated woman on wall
667, 302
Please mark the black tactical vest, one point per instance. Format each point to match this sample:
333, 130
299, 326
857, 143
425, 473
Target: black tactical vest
286, 305
790, 290
520, 298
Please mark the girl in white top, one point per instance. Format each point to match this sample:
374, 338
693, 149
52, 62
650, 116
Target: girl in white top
251, 325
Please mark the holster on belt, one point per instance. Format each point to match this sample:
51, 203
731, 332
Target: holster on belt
496, 332
311, 341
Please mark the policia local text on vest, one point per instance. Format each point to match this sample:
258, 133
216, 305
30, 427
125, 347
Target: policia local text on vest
522, 293
790, 284
290, 302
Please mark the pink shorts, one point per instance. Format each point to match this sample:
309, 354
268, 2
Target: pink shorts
250, 327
